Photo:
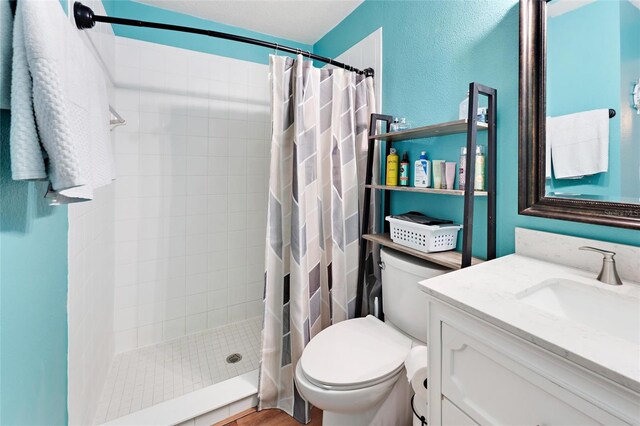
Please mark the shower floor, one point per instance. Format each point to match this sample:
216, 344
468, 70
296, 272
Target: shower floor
147, 376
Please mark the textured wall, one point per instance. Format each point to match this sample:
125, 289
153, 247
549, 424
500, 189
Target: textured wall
432, 50
33, 298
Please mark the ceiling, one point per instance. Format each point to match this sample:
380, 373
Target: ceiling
304, 21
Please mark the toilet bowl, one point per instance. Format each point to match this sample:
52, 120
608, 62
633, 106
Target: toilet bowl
350, 369
354, 370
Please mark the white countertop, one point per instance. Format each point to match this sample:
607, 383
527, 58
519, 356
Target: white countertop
490, 291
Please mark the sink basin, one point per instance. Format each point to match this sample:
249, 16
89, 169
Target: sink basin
597, 308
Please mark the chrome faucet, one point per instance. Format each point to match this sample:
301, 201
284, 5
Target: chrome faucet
608, 274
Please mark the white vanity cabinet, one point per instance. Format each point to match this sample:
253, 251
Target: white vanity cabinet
481, 374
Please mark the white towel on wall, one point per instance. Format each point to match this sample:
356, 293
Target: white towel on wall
6, 27
579, 143
62, 79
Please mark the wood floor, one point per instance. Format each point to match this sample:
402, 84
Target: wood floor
270, 418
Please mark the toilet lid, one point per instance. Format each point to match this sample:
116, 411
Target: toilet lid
354, 352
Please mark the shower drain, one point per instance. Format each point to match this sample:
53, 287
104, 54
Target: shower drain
233, 358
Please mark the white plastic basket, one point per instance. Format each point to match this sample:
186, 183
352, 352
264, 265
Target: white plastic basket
425, 238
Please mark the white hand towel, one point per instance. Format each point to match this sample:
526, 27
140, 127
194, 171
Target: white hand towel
579, 143
27, 161
69, 99
6, 27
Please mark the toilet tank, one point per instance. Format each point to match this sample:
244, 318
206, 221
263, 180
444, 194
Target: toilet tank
404, 305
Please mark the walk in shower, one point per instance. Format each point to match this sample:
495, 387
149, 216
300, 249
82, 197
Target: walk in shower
190, 221
188, 224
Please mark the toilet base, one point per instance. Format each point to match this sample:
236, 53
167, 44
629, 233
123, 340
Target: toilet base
395, 410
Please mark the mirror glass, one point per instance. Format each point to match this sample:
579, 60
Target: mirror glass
593, 100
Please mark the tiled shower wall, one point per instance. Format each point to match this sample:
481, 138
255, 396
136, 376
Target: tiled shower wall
192, 166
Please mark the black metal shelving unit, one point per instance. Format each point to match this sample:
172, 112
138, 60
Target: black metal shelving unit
470, 126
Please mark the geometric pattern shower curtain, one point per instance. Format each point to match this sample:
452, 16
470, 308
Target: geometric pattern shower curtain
320, 119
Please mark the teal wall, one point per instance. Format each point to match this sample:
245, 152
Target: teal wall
431, 51
583, 74
33, 300
231, 49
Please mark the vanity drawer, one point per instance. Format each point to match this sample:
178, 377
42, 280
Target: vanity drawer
494, 389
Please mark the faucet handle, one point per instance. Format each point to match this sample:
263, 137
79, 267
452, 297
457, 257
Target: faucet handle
608, 255
608, 274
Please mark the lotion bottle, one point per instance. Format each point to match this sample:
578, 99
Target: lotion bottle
422, 172
392, 168
404, 170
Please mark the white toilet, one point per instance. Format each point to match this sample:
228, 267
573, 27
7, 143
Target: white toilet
354, 370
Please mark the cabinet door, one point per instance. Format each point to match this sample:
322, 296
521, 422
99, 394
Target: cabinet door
494, 389
451, 415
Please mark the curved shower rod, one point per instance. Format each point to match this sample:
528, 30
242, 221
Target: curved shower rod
85, 19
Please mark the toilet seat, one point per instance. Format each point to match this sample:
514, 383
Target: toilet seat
354, 354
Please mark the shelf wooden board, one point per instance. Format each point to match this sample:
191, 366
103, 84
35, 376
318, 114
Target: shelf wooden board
450, 259
456, 192
441, 129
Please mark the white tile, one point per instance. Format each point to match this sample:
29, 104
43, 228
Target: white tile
255, 291
196, 323
255, 309
218, 280
196, 244
125, 318
196, 303
237, 165
218, 146
149, 314
237, 258
197, 224
217, 299
197, 126
174, 308
197, 185
237, 313
218, 166
197, 145
219, 241
217, 204
126, 340
197, 166
218, 128
126, 296
237, 239
149, 334
237, 147
217, 318
237, 294
218, 260
196, 283
174, 328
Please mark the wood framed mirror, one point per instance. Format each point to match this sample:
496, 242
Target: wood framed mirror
535, 199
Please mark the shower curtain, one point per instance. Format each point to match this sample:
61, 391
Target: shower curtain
320, 120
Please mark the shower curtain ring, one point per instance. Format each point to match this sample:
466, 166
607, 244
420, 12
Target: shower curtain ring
276, 50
